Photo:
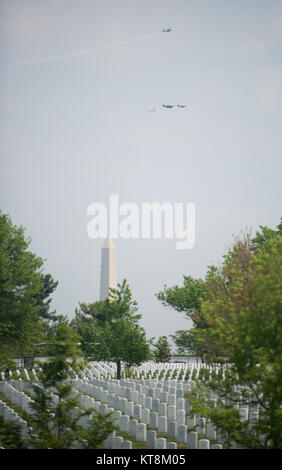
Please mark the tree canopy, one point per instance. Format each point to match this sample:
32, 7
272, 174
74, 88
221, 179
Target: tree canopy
238, 314
110, 329
219, 288
162, 350
24, 292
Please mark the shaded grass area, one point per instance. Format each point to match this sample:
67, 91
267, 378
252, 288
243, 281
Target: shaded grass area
135, 444
142, 445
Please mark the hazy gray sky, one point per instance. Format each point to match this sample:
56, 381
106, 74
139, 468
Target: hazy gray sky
75, 130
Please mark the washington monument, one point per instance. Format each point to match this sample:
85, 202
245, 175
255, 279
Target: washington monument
108, 268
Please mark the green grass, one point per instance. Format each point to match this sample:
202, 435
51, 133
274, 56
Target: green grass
135, 444
142, 445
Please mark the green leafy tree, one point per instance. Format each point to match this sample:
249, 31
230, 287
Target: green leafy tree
218, 283
265, 236
247, 324
187, 342
10, 435
241, 317
187, 299
184, 299
20, 282
57, 409
110, 329
162, 352
43, 299
24, 294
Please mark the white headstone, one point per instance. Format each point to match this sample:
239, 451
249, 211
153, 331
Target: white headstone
192, 440
180, 416
129, 408
116, 417
126, 445
132, 427
153, 421
201, 426
148, 402
172, 400
26, 375
171, 445
204, 444
171, 429
164, 397
155, 404
141, 432
191, 422
181, 433
180, 403
162, 426
171, 413
160, 443
145, 415
137, 412
151, 439
124, 423
117, 442
162, 409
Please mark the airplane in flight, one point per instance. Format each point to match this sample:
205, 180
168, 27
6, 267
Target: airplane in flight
181, 105
166, 30
168, 106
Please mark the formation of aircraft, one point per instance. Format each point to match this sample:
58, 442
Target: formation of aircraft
167, 106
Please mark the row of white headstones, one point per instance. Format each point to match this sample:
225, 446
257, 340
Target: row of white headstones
141, 408
148, 370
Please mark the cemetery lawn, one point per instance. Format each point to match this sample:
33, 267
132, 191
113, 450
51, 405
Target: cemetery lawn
142, 445
180, 445
135, 444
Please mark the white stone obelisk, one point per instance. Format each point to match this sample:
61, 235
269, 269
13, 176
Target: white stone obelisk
108, 268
